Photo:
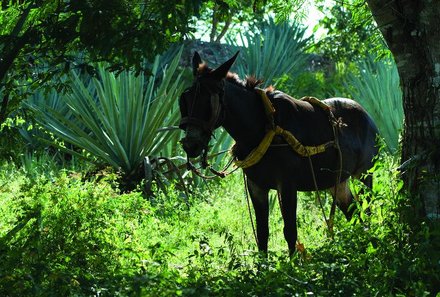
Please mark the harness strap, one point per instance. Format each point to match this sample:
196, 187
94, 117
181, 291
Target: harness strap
195, 121
212, 123
268, 107
305, 151
317, 102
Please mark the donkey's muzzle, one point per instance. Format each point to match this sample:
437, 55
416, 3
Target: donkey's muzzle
193, 147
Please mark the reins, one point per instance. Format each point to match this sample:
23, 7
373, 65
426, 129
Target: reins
246, 194
335, 123
329, 222
205, 165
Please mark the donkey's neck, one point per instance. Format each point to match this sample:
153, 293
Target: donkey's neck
245, 119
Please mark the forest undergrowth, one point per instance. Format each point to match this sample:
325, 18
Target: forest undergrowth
64, 235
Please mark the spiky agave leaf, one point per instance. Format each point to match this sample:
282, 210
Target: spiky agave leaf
277, 51
376, 87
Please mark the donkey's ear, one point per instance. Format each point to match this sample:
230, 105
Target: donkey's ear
223, 69
196, 61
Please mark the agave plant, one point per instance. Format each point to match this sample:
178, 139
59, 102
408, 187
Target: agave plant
279, 50
376, 87
118, 120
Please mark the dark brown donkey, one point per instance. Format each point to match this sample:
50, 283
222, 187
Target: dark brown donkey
218, 98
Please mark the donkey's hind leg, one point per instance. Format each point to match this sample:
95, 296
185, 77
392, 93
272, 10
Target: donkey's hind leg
344, 198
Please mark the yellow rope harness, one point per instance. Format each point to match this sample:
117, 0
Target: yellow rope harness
306, 151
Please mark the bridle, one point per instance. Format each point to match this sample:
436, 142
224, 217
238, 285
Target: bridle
217, 110
216, 94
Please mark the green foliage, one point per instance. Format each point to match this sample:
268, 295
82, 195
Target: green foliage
279, 50
62, 236
287, 9
376, 86
350, 32
113, 31
320, 84
217, 18
10, 141
40, 41
66, 238
117, 119
227, 18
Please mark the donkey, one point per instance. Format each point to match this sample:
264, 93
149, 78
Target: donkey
218, 97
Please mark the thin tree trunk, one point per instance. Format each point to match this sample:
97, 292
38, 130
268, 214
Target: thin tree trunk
412, 32
224, 30
214, 24
10, 53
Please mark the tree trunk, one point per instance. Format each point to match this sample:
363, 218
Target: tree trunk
412, 32
9, 53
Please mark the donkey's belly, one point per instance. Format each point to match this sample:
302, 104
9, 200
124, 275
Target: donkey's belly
281, 166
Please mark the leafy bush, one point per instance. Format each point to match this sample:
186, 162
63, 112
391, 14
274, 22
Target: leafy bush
119, 120
68, 237
60, 236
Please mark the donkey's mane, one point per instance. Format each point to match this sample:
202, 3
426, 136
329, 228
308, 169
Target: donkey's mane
250, 82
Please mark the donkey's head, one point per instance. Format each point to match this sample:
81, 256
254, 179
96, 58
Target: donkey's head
202, 105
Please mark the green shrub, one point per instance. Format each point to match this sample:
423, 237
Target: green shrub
61, 236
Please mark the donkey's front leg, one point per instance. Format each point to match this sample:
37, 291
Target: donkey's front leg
288, 203
260, 202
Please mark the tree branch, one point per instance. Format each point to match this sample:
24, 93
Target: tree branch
225, 29
214, 24
17, 42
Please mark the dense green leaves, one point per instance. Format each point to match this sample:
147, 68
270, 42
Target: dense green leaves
226, 19
41, 40
350, 33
